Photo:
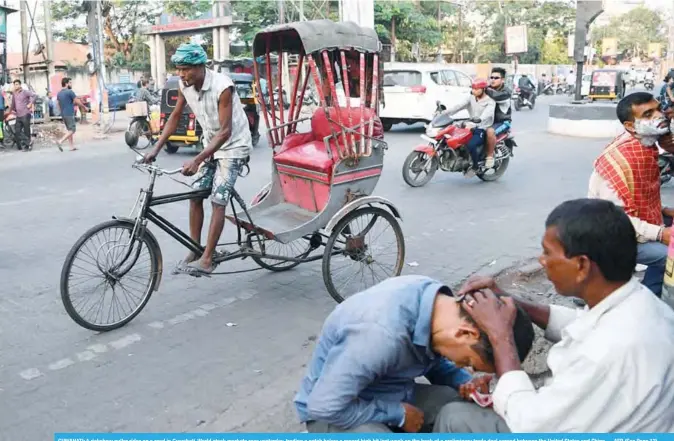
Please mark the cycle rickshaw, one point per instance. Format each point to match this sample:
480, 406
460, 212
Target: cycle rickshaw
319, 197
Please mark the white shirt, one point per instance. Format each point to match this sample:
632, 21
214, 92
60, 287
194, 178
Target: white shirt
483, 108
612, 370
571, 78
204, 104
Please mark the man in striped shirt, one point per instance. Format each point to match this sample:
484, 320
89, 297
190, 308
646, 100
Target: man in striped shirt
226, 137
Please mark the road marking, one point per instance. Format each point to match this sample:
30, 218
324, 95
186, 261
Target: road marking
125, 341
94, 350
85, 356
61, 364
98, 348
30, 374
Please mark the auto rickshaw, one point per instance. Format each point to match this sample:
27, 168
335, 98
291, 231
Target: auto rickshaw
245, 87
188, 133
607, 84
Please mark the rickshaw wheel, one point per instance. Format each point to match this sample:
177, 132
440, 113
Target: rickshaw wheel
299, 248
171, 148
351, 246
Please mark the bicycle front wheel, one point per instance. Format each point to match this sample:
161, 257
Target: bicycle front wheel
109, 276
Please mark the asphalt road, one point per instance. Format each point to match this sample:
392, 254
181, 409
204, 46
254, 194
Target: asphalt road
179, 366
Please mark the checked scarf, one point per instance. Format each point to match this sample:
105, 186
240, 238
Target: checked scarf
631, 170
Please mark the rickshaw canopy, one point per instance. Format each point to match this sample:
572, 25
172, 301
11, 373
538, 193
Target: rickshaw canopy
314, 36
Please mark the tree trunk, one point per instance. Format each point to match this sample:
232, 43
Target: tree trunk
393, 39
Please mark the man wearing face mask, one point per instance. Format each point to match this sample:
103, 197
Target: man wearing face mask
627, 174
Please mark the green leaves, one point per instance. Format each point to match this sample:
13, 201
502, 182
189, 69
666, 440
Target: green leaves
634, 30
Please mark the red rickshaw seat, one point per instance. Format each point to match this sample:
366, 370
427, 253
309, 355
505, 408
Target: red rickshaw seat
308, 151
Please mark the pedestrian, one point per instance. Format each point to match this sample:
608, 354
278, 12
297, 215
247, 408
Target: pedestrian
627, 173
374, 345
611, 369
67, 100
23, 101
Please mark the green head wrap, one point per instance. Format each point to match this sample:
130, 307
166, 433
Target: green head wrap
189, 54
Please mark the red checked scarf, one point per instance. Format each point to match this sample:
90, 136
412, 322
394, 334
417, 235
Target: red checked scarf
631, 170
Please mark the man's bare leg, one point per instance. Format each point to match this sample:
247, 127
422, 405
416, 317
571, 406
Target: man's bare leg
196, 224
214, 233
491, 146
68, 137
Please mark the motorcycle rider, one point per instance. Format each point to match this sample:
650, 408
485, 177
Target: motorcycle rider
666, 97
143, 94
526, 89
479, 105
503, 113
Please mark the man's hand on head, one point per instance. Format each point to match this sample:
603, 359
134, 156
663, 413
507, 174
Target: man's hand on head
495, 316
476, 282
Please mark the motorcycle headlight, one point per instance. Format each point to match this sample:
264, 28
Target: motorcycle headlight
432, 131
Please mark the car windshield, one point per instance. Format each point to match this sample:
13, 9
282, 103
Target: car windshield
404, 78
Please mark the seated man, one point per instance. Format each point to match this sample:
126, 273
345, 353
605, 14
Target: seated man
374, 345
143, 94
479, 105
502, 95
627, 174
612, 364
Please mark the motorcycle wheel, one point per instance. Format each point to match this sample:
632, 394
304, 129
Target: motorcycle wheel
498, 171
414, 162
518, 106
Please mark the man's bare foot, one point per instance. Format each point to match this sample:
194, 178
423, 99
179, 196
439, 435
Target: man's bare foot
191, 257
489, 162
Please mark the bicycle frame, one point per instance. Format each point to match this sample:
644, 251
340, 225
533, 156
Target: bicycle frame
147, 200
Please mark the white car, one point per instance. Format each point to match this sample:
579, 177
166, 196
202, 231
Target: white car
411, 91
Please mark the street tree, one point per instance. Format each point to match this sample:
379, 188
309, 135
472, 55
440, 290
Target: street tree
634, 30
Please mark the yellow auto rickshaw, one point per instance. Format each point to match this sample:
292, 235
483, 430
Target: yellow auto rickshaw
607, 84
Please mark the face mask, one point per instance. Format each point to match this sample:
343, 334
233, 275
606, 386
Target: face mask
647, 130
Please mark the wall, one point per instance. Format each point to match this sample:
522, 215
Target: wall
80, 79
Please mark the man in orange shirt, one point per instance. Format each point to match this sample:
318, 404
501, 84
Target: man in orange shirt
627, 174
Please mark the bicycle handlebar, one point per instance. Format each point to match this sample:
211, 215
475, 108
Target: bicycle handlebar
153, 168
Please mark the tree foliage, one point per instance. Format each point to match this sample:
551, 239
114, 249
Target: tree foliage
634, 30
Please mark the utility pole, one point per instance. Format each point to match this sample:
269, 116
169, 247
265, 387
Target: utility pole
101, 64
23, 7
49, 46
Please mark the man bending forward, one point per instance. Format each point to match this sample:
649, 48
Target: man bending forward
213, 99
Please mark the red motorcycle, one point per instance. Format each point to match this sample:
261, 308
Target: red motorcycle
446, 149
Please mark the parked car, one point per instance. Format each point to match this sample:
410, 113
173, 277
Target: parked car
118, 96
411, 91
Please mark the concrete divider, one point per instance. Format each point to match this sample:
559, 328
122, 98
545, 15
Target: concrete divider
587, 120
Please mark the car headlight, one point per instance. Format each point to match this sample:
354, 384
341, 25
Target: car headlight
432, 131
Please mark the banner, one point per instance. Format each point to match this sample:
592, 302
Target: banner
362, 437
609, 47
3, 25
516, 40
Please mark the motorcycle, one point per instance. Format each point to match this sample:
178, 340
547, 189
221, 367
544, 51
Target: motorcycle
548, 89
649, 85
445, 148
519, 101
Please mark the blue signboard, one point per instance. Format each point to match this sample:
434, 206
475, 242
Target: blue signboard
3, 25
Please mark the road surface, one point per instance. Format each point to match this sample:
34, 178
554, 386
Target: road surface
179, 366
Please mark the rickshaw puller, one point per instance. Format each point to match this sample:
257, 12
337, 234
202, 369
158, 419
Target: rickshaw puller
215, 102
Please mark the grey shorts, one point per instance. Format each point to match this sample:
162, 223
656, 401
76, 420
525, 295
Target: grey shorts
218, 175
69, 121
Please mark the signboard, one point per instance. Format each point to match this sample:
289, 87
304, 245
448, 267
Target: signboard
604, 79
571, 45
516, 40
3, 25
609, 47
